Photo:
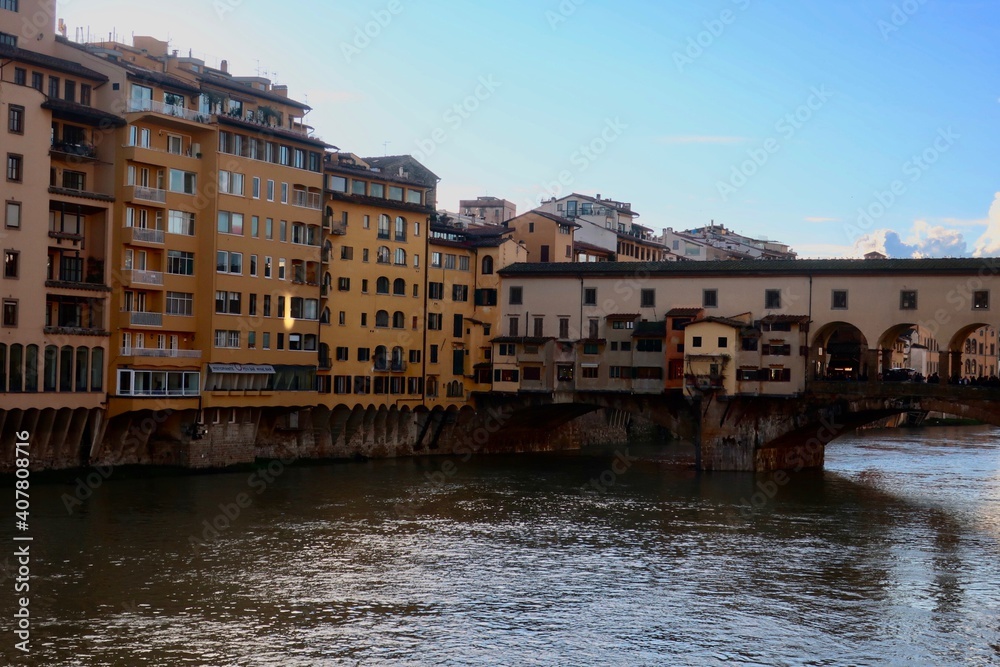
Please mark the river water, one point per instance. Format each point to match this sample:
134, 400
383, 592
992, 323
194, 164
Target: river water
890, 556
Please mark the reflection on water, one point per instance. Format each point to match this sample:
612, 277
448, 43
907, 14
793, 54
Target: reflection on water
889, 556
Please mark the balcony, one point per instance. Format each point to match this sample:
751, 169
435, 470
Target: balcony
142, 235
81, 193
335, 227
160, 353
137, 277
304, 199
144, 194
139, 106
141, 319
394, 366
81, 151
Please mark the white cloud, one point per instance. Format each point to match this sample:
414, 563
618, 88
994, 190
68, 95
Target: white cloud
989, 243
925, 240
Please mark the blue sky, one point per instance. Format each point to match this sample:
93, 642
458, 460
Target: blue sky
838, 126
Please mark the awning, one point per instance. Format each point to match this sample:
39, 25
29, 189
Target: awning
242, 369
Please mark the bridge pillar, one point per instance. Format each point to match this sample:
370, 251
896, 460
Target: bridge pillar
871, 364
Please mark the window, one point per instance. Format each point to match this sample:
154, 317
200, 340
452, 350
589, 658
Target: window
434, 321
839, 299
382, 255
772, 298
513, 326
15, 167
183, 181
463, 263
20, 74
460, 293
400, 229
267, 306
908, 300
269, 228
723, 342
515, 297
564, 328
7, 39
255, 188
180, 263
230, 223
267, 267
981, 300
648, 298
11, 262
85, 94
696, 341
343, 284
395, 193
54, 87
283, 231
229, 262
231, 183
253, 265
281, 268
710, 298
486, 297
180, 222
284, 191
449, 262
227, 339
227, 303
399, 287
400, 257
414, 197
487, 269
270, 190
74, 180
9, 312
15, 119
435, 291
590, 296
12, 218
346, 253
36, 80
776, 350
649, 345
180, 303
255, 226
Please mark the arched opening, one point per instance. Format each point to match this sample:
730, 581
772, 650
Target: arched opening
82, 368
487, 266
15, 375
972, 355
66, 368
383, 226
398, 320
400, 259
400, 229
325, 317
51, 368
382, 319
399, 287
382, 255
838, 353
382, 285
97, 370
381, 358
31, 368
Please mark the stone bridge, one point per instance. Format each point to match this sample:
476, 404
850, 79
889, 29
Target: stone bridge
750, 433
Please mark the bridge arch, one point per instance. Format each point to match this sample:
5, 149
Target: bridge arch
839, 351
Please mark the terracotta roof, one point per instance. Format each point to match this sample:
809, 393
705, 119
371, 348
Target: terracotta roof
792, 319
684, 312
736, 324
623, 316
551, 216
583, 245
81, 111
143, 75
266, 131
229, 84
51, 62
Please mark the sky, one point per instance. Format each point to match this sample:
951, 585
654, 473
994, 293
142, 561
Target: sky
837, 126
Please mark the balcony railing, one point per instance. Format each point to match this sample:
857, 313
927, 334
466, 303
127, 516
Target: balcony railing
161, 353
168, 110
79, 150
144, 277
306, 200
140, 319
143, 235
143, 193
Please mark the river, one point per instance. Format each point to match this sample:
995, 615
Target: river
889, 556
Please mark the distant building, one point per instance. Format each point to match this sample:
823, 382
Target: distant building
717, 242
609, 224
490, 210
547, 237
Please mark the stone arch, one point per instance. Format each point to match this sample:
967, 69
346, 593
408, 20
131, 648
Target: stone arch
839, 350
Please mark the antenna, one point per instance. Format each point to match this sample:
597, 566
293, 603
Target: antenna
385, 148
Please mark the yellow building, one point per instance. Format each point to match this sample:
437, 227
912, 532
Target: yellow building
56, 216
546, 236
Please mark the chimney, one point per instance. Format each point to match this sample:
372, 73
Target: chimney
281, 90
598, 196
224, 66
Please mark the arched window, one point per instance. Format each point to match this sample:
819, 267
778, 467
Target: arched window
383, 226
66, 368
380, 358
382, 319
398, 320
400, 229
16, 374
432, 386
382, 255
400, 257
325, 317
97, 370
31, 368
487, 266
82, 368
399, 287
51, 367
329, 212
382, 285
397, 358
